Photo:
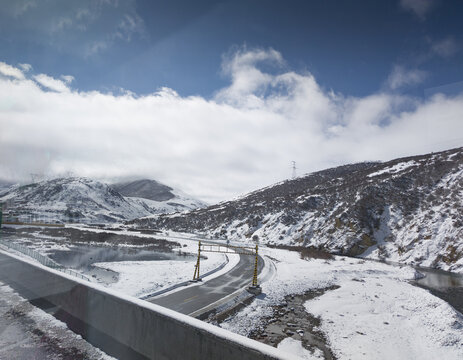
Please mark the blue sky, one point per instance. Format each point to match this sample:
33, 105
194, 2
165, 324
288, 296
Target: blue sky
218, 98
349, 46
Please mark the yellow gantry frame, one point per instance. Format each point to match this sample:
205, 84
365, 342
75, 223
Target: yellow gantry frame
226, 249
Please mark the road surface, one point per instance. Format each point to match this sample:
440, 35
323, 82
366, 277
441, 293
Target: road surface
195, 298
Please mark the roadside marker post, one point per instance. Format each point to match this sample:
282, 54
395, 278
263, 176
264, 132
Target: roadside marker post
254, 278
255, 288
196, 274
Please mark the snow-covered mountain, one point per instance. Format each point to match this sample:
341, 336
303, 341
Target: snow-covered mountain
79, 199
157, 198
406, 210
70, 199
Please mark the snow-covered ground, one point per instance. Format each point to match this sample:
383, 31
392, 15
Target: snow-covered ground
383, 317
374, 314
395, 168
293, 346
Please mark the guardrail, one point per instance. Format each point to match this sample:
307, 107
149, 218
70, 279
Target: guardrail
43, 259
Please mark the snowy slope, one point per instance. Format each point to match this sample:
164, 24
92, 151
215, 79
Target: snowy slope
406, 210
81, 199
68, 200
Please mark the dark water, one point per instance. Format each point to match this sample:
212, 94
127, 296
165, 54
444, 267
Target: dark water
448, 286
438, 279
82, 258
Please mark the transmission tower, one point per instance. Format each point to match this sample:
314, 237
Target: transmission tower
294, 169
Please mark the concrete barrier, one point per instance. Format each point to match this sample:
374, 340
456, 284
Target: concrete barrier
122, 326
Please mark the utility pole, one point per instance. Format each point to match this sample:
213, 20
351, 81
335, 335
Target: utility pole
294, 169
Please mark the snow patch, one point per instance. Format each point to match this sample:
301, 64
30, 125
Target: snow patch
294, 347
395, 169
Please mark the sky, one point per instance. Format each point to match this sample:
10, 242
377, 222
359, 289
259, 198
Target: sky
217, 98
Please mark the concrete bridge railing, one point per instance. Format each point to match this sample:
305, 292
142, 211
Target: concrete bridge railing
123, 326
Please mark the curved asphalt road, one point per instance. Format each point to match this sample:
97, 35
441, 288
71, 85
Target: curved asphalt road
194, 298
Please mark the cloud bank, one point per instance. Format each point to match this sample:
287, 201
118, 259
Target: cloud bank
243, 138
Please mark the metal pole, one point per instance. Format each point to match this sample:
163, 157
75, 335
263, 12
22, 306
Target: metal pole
199, 259
196, 274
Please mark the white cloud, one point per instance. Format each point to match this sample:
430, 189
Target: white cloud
52, 83
11, 71
68, 78
23, 6
61, 24
81, 28
445, 48
401, 77
248, 81
243, 139
129, 25
25, 67
96, 47
418, 7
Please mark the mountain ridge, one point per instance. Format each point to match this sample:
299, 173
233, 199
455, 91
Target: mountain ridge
80, 199
405, 210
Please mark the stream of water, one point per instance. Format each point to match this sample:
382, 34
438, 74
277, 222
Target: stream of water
446, 285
